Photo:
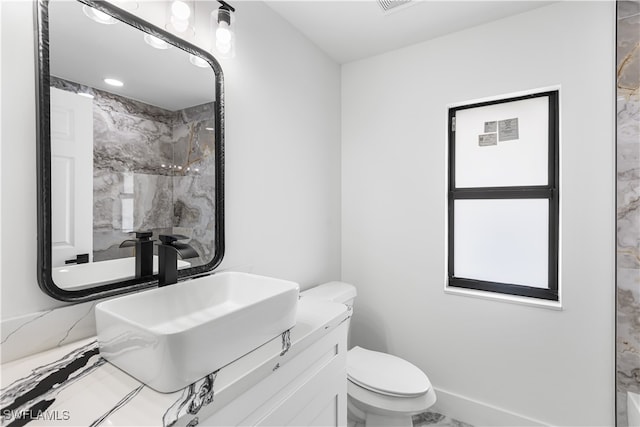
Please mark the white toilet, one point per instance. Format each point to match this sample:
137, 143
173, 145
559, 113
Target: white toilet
383, 390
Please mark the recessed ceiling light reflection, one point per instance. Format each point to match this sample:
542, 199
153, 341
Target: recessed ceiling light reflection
197, 61
153, 41
86, 95
98, 16
113, 82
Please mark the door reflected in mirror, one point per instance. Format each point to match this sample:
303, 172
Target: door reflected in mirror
133, 127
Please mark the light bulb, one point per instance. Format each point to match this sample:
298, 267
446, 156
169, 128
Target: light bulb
180, 14
223, 33
180, 10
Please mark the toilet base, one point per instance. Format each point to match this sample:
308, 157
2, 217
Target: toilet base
375, 410
374, 417
358, 418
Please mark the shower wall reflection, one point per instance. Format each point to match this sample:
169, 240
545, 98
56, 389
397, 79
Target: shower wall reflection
153, 169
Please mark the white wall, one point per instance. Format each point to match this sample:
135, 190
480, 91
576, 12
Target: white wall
555, 367
20, 292
283, 194
282, 156
282, 152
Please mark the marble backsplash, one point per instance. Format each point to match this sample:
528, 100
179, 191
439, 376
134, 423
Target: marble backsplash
153, 170
628, 206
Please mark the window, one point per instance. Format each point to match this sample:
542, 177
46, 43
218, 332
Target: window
503, 207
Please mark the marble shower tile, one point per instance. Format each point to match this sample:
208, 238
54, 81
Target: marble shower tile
627, 35
628, 206
628, 331
125, 202
153, 201
131, 136
628, 184
194, 136
138, 149
193, 208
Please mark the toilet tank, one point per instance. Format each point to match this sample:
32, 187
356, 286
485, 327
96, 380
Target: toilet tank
340, 292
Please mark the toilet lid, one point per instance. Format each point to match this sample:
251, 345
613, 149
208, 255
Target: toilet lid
385, 374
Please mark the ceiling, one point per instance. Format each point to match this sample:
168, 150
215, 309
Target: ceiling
349, 30
98, 53
346, 30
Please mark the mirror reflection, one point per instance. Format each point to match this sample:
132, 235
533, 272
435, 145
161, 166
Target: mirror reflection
132, 147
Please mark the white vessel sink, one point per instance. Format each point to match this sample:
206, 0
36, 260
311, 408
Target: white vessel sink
80, 276
170, 337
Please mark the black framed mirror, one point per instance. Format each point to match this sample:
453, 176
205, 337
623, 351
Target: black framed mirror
120, 164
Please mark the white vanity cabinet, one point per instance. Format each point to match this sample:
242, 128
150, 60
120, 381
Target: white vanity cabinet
296, 379
308, 388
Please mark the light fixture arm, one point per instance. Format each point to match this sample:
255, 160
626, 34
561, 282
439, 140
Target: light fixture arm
226, 6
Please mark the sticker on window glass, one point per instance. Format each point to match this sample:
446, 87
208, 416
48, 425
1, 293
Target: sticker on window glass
508, 129
490, 127
488, 139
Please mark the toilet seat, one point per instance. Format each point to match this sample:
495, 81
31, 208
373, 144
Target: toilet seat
385, 374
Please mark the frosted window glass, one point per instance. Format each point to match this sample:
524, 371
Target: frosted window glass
504, 241
519, 159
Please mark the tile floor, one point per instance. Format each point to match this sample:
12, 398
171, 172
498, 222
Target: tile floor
434, 419
426, 419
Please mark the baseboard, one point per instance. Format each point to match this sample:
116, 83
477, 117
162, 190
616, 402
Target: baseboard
478, 413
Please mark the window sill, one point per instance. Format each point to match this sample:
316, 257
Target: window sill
532, 302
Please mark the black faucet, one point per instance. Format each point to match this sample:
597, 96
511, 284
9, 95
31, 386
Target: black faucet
168, 253
144, 252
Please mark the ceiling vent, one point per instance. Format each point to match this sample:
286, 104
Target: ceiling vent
388, 5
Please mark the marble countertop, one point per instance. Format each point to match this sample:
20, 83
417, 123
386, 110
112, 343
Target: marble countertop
73, 386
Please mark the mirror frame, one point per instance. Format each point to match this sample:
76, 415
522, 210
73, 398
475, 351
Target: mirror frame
43, 161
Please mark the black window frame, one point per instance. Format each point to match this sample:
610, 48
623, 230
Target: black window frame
549, 192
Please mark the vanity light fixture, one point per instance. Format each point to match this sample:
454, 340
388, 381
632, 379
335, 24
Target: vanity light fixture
98, 16
153, 41
222, 27
113, 82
